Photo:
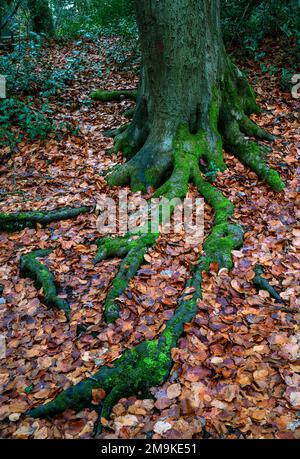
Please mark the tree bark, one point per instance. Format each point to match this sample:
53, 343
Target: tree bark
187, 81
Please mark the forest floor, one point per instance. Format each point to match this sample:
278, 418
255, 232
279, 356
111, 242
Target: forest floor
235, 373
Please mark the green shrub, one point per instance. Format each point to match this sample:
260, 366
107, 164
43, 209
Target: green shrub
28, 70
28, 73
18, 118
248, 23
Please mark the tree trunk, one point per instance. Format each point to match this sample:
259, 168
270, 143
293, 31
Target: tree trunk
41, 17
4, 20
191, 97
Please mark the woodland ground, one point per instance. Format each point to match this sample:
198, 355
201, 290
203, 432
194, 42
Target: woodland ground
235, 372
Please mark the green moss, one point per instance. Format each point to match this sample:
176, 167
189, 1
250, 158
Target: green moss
238, 91
251, 129
250, 154
111, 309
214, 110
151, 175
138, 369
123, 141
274, 180
116, 132
117, 247
223, 239
224, 236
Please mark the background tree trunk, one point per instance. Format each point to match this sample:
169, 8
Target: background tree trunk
41, 17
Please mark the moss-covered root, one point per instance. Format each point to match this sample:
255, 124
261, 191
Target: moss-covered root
137, 370
224, 236
109, 247
145, 366
262, 284
20, 220
129, 113
108, 96
149, 363
132, 248
238, 102
115, 132
43, 278
250, 154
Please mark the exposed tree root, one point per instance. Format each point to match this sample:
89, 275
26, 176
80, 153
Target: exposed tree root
237, 104
20, 220
149, 363
250, 154
43, 278
129, 113
107, 96
167, 158
132, 249
262, 284
114, 132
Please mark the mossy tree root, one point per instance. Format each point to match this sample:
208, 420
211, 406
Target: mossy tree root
107, 96
20, 220
43, 278
132, 248
129, 113
149, 363
251, 155
238, 102
131, 139
262, 284
168, 160
115, 132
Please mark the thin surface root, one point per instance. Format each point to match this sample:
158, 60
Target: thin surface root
43, 278
262, 284
20, 220
108, 96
